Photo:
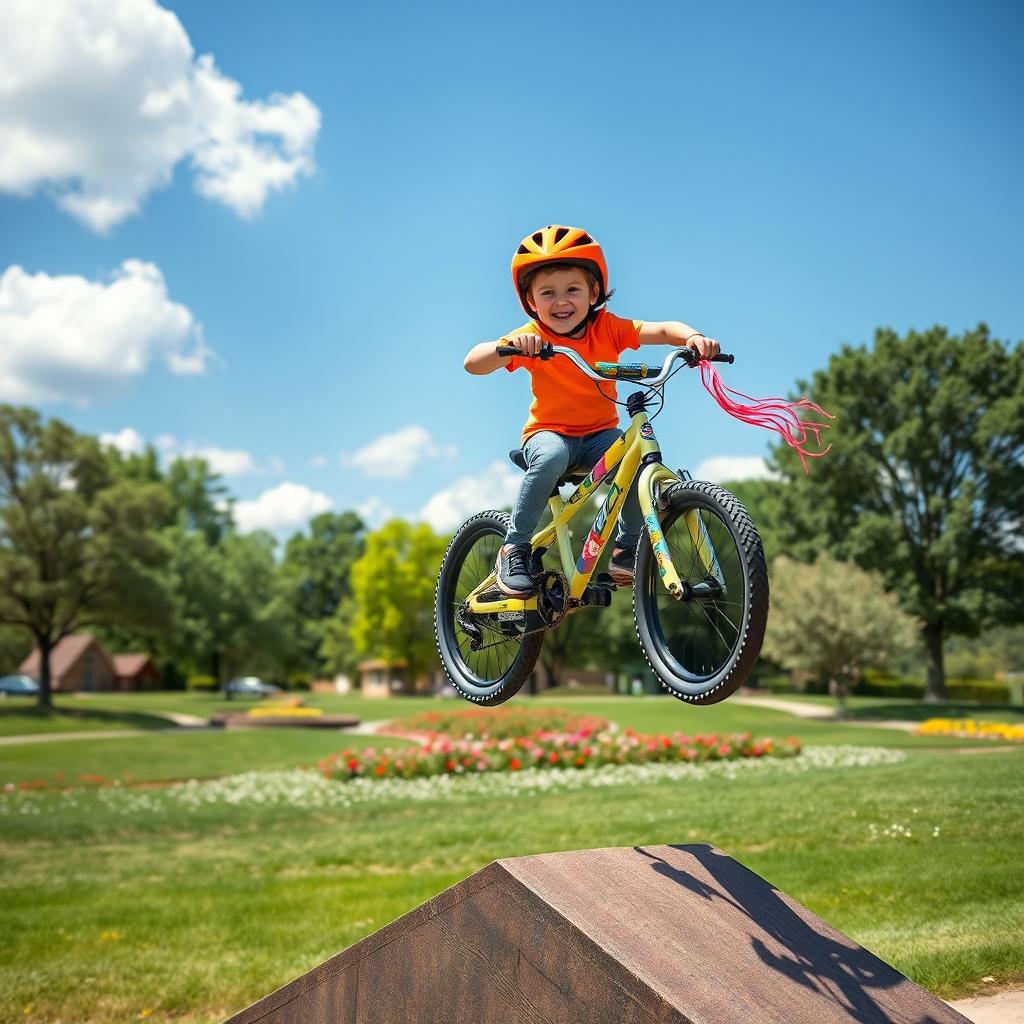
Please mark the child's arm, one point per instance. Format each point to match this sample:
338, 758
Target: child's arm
672, 332
482, 358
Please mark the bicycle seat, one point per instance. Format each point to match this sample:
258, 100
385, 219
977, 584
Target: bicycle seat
573, 476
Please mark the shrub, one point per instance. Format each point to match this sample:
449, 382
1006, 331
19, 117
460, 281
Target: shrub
299, 681
205, 684
985, 691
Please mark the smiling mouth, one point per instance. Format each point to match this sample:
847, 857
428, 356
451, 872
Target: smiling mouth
564, 316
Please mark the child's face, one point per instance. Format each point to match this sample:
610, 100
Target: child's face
562, 297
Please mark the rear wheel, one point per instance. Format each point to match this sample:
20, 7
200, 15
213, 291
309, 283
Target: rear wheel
704, 646
504, 658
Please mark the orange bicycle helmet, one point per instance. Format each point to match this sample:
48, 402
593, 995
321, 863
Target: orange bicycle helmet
559, 244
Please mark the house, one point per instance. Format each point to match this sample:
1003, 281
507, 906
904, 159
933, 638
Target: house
389, 679
136, 672
77, 663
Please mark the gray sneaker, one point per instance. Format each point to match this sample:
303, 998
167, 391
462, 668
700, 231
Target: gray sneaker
513, 569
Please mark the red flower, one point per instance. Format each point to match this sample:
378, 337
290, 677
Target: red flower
515, 764
580, 762
352, 764
381, 769
449, 765
553, 757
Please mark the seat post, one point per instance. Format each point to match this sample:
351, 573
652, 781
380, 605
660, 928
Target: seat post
556, 505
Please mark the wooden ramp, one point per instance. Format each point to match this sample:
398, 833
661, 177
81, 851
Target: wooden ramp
623, 936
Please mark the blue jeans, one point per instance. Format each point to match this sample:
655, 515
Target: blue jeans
549, 456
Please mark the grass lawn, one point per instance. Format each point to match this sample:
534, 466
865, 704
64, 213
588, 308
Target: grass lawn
125, 909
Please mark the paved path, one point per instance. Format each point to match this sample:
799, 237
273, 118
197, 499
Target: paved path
101, 734
179, 722
820, 711
1003, 1008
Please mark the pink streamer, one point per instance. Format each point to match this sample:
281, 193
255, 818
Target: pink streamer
771, 413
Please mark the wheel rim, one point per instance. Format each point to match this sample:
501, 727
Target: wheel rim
698, 638
482, 670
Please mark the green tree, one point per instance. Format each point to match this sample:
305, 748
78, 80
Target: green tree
231, 612
393, 590
199, 501
833, 619
78, 546
316, 573
925, 480
15, 646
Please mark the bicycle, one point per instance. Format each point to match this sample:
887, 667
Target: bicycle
700, 590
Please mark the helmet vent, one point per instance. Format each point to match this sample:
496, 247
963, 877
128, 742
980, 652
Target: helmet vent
522, 250
582, 240
538, 237
560, 234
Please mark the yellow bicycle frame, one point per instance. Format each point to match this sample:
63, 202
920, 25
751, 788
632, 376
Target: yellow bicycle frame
636, 451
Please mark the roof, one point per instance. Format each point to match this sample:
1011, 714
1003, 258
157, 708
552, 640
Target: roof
64, 656
377, 663
131, 664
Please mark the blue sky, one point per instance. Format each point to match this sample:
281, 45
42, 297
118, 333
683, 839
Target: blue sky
784, 177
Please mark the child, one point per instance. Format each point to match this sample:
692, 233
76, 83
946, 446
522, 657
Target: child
561, 278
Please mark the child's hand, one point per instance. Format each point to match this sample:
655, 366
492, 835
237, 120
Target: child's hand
705, 347
527, 343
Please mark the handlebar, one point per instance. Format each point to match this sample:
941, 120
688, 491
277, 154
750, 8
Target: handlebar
617, 371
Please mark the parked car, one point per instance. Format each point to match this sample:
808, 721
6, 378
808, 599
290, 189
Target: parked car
18, 686
253, 686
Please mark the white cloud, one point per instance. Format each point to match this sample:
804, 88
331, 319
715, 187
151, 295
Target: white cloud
319, 461
276, 466
283, 506
99, 102
69, 338
733, 467
374, 512
127, 441
394, 455
223, 461
496, 487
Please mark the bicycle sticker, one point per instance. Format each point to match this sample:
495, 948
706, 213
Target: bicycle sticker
661, 555
647, 432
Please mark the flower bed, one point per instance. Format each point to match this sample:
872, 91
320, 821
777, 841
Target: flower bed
548, 751
283, 711
972, 728
496, 723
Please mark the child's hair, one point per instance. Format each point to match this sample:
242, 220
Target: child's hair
526, 281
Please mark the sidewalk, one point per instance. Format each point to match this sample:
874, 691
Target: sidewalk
1002, 1008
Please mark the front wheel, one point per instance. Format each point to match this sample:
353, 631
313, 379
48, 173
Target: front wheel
702, 648
490, 667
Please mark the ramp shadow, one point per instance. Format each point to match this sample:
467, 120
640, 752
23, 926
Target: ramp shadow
842, 971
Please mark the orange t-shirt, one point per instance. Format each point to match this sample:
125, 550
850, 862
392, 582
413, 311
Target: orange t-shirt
564, 400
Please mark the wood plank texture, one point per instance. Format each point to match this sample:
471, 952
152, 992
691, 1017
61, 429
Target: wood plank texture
636, 935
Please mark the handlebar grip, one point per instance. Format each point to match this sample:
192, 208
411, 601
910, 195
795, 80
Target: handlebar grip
692, 359
545, 352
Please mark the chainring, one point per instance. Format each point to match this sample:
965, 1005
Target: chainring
552, 598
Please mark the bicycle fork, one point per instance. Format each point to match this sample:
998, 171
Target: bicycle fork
655, 475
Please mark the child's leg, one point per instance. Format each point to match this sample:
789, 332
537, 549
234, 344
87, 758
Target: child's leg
631, 519
548, 456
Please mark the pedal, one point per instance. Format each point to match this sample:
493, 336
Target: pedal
604, 579
597, 596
